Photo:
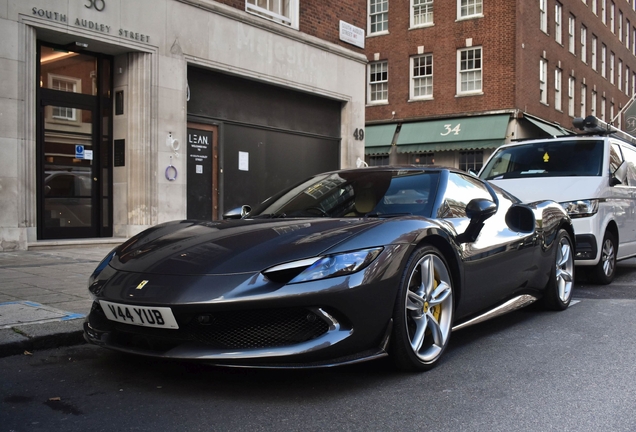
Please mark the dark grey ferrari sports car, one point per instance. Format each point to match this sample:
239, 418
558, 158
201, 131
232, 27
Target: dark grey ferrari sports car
346, 266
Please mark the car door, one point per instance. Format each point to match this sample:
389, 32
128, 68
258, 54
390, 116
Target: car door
500, 261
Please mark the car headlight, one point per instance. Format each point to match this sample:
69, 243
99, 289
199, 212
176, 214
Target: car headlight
323, 267
581, 208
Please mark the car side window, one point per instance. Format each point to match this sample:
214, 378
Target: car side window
616, 157
460, 190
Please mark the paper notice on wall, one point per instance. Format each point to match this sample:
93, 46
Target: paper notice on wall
88, 154
244, 161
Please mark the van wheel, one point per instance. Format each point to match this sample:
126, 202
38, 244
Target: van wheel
603, 273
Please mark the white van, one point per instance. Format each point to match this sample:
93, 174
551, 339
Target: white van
594, 179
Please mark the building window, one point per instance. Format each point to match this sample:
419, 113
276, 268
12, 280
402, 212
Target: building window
422, 77
594, 7
584, 44
603, 108
619, 79
65, 84
627, 75
571, 87
611, 115
558, 32
470, 8
634, 83
611, 18
620, 26
603, 15
469, 65
422, 159
378, 82
378, 16
543, 81
471, 160
422, 12
543, 15
628, 29
594, 47
378, 160
583, 101
281, 11
593, 104
611, 68
557, 89
571, 31
603, 60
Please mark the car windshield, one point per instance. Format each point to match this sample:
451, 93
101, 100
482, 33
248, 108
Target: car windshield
371, 193
546, 159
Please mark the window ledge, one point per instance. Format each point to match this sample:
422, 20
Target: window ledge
478, 93
421, 26
372, 104
470, 17
420, 99
382, 33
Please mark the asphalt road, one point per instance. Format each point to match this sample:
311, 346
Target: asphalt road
530, 370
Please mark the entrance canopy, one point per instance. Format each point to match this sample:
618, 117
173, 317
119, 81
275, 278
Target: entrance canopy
462, 133
378, 139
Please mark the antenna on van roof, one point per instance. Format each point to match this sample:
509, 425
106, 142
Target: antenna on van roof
595, 126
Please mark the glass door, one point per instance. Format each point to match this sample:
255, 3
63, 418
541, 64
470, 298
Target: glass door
74, 145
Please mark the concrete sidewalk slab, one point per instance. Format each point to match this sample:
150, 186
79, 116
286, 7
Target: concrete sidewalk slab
44, 295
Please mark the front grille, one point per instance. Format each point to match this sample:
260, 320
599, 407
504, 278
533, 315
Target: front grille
258, 328
221, 330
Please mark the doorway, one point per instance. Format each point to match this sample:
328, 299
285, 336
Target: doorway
74, 144
202, 172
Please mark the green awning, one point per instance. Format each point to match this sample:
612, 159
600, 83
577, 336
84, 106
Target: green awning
378, 139
552, 130
463, 133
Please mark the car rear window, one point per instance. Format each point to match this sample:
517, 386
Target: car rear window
546, 159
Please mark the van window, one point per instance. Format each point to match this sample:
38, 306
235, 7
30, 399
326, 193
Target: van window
630, 160
547, 159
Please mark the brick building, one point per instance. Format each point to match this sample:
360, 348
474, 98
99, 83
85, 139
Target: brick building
116, 115
449, 81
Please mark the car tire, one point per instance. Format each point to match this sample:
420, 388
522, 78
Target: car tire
603, 273
423, 313
558, 291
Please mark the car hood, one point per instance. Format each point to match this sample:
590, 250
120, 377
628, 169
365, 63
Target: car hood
559, 189
231, 247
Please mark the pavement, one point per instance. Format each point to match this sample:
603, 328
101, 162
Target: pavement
44, 296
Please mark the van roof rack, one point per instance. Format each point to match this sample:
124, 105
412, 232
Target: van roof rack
592, 125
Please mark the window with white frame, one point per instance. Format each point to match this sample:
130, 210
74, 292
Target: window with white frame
611, 68
281, 11
583, 100
612, 11
65, 84
422, 76
627, 75
557, 89
619, 78
378, 16
543, 15
584, 44
558, 20
421, 12
603, 61
543, 81
634, 41
611, 114
620, 25
633, 83
571, 31
595, 7
594, 48
628, 29
592, 104
471, 160
603, 14
470, 8
469, 65
378, 88
571, 87
603, 108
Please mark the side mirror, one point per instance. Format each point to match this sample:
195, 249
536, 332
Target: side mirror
478, 210
238, 212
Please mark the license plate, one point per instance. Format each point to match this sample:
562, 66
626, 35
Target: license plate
145, 316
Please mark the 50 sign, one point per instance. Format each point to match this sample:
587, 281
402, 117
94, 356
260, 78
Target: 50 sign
98, 5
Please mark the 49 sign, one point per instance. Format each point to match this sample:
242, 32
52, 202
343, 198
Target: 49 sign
98, 5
